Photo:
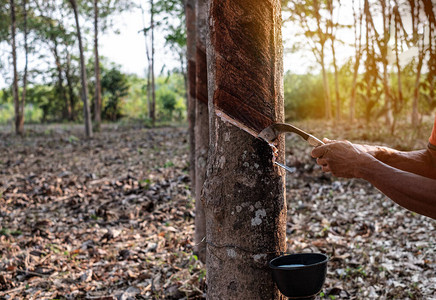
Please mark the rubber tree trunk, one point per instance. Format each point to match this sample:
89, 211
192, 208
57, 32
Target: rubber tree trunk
201, 126
84, 82
190, 56
97, 100
244, 193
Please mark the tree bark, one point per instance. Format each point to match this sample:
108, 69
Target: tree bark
84, 92
97, 100
201, 126
244, 193
19, 110
190, 57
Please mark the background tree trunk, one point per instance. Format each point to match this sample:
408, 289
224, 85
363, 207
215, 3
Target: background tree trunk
327, 99
19, 110
97, 100
66, 109
190, 56
244, 193
86, 111
72, 96
201, 126
26, 63
153, 88
338, 98
358, 53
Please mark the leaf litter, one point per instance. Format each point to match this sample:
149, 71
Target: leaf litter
112, 218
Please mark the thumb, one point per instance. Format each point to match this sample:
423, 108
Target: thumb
319, 151
328, 141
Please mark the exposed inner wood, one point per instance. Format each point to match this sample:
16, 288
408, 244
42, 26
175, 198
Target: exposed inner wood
246, 39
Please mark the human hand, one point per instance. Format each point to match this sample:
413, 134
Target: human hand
341, 158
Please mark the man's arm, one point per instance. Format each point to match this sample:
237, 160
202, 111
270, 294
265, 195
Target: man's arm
410, 190
414, 192
421, 162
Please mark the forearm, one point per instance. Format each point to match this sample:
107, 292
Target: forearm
420, 162
414, 192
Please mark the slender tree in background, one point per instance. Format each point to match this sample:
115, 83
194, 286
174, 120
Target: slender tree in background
415, 8
147, 52
316, 29
84, 82
26, 59
382, 43
97, 96
357, 19
431, 74
396, 98
321, 58
152, 110
201, 125
370, 77
18, 104
243, 194
190, 56
70, 85
333, 27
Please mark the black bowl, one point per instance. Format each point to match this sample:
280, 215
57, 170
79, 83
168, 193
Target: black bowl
300, 282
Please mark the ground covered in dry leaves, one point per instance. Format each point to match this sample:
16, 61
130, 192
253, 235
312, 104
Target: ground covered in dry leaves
112, 218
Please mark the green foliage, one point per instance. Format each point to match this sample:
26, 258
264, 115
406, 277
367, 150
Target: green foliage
170, 97
173, 21
4, 20
303, 96
6, 113
114, 87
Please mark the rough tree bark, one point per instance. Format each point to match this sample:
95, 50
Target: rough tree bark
84, 91
97, 100
244, 193
201, 126
190, 56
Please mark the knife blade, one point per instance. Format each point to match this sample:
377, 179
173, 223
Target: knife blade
272, 132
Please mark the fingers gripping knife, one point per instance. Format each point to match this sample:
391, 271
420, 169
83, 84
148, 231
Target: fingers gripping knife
271, 133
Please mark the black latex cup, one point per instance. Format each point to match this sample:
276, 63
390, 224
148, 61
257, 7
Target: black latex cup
302, 282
